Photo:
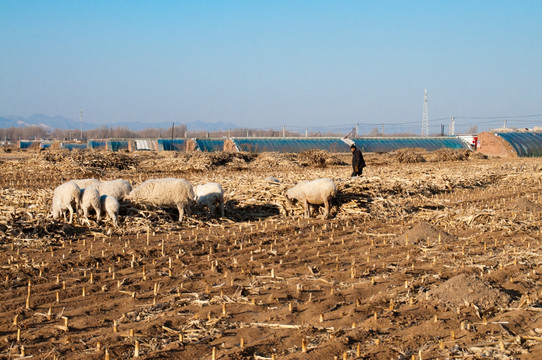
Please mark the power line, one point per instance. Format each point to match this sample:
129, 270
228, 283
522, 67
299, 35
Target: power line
497, 117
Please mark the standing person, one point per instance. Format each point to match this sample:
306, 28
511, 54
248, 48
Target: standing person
357, 161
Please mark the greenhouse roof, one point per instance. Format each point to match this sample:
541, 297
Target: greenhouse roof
96, 144
391, 144
116, 145
171, 145
210, 144
526, 144
290, 145
71, 146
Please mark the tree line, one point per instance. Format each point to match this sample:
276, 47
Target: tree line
13, 134
180, 131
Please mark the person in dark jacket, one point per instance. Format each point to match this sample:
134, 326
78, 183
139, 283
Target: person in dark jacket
357, 161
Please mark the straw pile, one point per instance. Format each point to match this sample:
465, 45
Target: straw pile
408, 156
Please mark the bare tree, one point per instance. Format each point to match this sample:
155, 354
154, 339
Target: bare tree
473, 129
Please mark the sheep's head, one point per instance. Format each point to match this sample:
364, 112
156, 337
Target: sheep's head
130, 196
56, 214
289, 198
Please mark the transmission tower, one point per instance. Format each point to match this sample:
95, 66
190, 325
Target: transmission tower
425, 118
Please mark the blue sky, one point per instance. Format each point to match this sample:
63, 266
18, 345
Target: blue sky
267, 64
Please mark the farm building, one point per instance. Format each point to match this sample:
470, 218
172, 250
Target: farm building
511, 144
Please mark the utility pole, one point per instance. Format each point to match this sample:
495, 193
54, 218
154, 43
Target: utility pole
81, 117
425, 117
382, 130
357, 130
283, 131
504, 126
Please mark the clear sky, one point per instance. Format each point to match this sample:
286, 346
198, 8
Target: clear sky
271, 63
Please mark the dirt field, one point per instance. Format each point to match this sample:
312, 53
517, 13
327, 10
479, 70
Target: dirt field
428, 255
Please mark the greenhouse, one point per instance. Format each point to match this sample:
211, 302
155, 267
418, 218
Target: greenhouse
209, 145
116, 145
171, 145
289, 145
72, 146
511, 144
96, 144
27, 144
391, 144
143, 145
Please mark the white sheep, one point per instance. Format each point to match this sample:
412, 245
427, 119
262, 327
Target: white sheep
65, 197
118, 188
84, 183
166, 192
110, 205
210, 195
90, 198
315, 192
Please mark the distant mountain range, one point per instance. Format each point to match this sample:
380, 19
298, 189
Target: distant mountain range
60, 122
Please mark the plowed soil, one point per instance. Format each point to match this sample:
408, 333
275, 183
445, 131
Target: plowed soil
424, 260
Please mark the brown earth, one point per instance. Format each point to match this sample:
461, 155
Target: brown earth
264, 283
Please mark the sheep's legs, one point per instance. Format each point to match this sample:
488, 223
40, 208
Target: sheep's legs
307, 209
221, 209
327, 207
181, 209
181, 213
98, 214
71, 213
115, 219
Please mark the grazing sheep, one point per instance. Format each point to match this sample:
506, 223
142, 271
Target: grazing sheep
110, 205
90, 198
168, 191
315, 192
118, 188
210, 195
65, 197
85, 183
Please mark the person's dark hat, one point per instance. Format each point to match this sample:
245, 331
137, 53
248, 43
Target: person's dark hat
353, 146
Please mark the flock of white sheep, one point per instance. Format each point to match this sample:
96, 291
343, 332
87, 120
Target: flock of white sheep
104, 196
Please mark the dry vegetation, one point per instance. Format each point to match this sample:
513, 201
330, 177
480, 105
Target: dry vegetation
429, 255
